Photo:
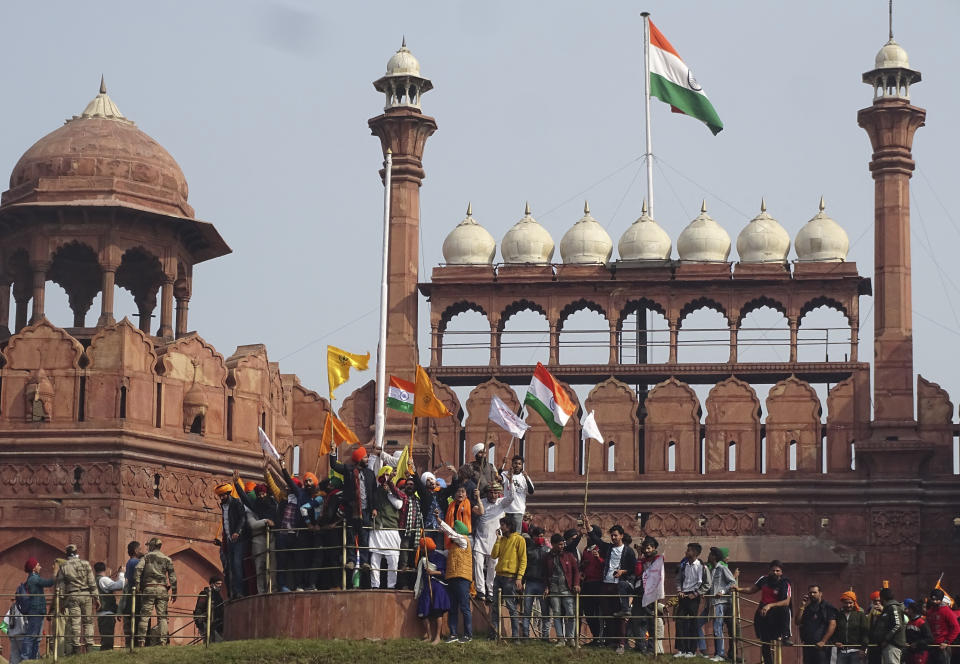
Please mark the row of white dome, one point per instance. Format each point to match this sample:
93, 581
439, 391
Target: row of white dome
763, 240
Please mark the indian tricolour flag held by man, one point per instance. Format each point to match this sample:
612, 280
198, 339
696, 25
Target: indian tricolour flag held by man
546, 396
672, 81
400, 395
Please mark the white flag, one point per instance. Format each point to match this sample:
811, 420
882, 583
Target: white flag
501, 415
267, 446
588, 428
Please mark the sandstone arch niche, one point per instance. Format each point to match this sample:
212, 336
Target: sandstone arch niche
672, 422
733, 415
793, 417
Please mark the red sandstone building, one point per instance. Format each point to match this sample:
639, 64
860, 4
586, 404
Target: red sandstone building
112, 431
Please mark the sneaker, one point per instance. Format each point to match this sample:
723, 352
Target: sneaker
679, 654
451, 639
299, 590
310, 588
466, 639
619, 650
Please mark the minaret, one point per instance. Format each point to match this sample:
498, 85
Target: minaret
404, 130
891, 122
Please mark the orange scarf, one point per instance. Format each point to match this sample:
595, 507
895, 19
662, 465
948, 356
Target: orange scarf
457, 512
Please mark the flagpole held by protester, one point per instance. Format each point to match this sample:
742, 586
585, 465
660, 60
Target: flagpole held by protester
588, 430
501, 415
380, 416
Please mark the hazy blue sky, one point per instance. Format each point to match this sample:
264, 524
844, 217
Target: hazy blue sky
264, 105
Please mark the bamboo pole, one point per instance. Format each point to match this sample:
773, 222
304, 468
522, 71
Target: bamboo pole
586, 486
209, 627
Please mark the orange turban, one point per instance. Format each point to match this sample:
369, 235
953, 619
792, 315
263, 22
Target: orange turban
249, 485
852, 596
312, 478
427, 544
358, 454
874, 595
223, 489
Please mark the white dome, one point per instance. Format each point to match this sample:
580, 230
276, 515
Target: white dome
469, 243
403, 63
645, 240
587, 242
527, 242
703, 240
822, 239
892, 55
763, 240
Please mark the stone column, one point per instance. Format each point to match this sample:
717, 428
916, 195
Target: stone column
674, 341
106, 299
854, 342
39, 290
436, 346
794, 326
183, 303
166, 309
614, 345
21, 314
554, 343
494, 342
5, 309
733, 343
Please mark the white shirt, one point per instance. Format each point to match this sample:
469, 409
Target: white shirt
377, 461
485, 525
615, 553
108, 585
517, 493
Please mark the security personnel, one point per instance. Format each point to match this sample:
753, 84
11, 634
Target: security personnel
154, 578
77, 586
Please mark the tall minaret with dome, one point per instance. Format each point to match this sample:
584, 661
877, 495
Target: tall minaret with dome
891, 122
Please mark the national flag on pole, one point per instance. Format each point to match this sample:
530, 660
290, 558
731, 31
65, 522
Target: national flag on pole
546, 396
400, 394
425, 402
671, 81
506, 419
589, 429
266, 445
338, 366
335, 432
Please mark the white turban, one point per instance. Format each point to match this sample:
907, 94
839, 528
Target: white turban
476, 449
428, 476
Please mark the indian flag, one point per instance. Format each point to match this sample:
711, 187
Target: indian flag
546, 396
672, 81
400, 395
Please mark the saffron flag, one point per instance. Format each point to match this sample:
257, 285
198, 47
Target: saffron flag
502, 416
589, 429
335, 432
266, 445
546, 396
671, 81
400, 395
947, 599
425, 402
338, 366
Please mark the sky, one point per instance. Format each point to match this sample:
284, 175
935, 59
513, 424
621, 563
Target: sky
265, 104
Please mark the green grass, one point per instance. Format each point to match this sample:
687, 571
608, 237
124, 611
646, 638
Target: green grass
399, 651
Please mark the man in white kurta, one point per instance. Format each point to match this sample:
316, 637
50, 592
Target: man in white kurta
486, 518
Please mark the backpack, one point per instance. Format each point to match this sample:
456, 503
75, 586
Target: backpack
16, 623
22, 597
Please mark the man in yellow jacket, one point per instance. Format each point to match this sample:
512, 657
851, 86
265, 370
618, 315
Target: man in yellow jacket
510, 550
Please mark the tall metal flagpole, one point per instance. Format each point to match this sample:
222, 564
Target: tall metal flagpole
380, 417
646, 94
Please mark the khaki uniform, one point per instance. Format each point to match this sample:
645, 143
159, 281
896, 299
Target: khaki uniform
77, 586
152, 578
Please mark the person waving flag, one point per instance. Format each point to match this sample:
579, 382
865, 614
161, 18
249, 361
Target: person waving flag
546, 396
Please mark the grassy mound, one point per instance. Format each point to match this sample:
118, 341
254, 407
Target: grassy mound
405, 651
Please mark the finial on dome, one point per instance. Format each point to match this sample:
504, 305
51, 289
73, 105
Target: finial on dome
403, 44
526, 210
703, 205
763, 205
103, 85
469, 209
891, 19
823, 206
643, 208
586, 207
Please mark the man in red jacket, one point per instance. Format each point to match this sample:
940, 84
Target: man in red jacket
943, 626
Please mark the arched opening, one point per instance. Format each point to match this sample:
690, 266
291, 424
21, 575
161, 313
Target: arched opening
585, 338
76, 269
644, 337
793, 455
20, 274
672, 456
611, 456
466, 340
525, 338
763, 336
197, 425
551, 457
732, 456
704, 336
823, 335
123, 402
141, 273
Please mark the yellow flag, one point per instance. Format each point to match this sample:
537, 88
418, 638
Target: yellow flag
338, 366
335, 431
425, 402
405, 464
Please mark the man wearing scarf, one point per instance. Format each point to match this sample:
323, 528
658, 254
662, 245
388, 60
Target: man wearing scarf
411, 524
431, 499
853, 630
359, 483
459, 579
234, 523
459, 509
721, 581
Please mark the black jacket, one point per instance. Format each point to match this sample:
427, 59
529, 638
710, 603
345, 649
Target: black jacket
352, 509
236, 520
628, 559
